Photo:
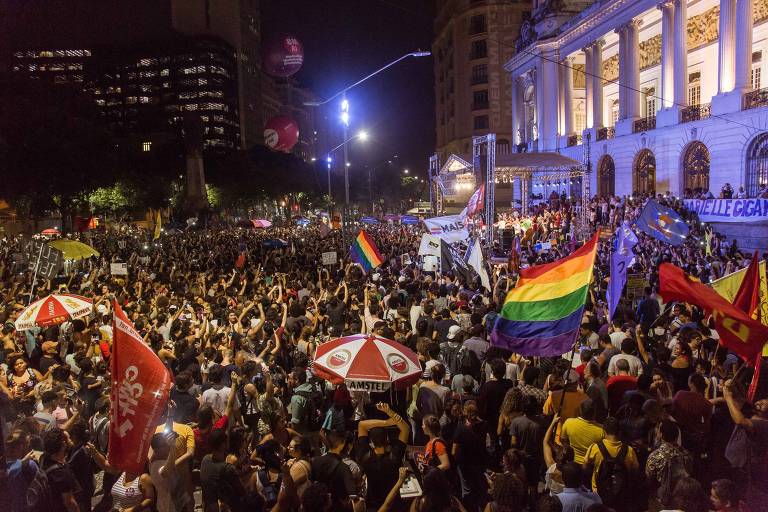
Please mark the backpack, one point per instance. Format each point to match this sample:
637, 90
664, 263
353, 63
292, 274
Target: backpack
452, 355
612, 477
673, 471
39, 494
312, 414
271, 489
100, 433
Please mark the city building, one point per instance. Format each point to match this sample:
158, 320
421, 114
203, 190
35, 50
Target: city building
473, 41
148, 89
170, 35
657, 96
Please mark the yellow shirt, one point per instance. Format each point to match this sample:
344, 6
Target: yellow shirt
581, 434
185, 442
595, 458
570, 408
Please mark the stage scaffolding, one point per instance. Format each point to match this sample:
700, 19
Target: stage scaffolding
522, 170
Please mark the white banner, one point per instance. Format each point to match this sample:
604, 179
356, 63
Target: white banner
729, 210
450, 228
429, 245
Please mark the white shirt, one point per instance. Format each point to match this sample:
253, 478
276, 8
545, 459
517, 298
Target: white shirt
635, 365
217, 399
616, 338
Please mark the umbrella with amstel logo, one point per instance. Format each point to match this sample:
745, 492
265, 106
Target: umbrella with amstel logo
53, 309
366, 363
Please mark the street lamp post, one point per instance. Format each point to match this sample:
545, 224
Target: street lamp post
361, 135
345, 107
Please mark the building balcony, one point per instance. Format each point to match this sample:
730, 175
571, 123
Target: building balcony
696, 113
480, 106
756, 98
574, 140
645, 124
479, 80
605, 133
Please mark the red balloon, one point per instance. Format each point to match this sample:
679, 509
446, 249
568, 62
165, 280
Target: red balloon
281, 133
283, 55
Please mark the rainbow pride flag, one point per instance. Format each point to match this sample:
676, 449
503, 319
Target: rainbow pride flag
365, 252
542, 314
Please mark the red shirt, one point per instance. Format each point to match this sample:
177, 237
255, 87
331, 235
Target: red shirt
692, 411
616, 387
201, 438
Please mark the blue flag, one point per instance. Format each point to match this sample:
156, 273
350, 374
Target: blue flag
662, 223
621, 258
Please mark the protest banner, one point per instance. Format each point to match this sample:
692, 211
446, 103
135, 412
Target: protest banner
47, 260
450, 228
729, 210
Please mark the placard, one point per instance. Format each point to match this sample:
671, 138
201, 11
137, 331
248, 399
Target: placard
50, 260
365, 385
118, 269
329, 258
430, 263
636, 284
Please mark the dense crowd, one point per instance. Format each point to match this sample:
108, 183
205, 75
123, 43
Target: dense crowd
647, 412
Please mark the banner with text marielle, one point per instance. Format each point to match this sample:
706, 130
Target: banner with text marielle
140, 387
729, 210
450, 228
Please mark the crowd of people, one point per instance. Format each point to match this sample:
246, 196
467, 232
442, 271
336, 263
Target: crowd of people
647, 413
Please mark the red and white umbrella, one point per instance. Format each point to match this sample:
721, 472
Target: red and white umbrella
50, 232
366, 363
53, 309
260, 223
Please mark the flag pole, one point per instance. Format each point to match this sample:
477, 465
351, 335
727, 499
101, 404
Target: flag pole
34, 275
565, 378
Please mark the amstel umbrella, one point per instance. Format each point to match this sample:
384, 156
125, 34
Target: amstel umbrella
261, 223
366, 363
74, 250
53, 309
50, 232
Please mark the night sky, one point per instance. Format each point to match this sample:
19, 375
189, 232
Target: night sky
344, 40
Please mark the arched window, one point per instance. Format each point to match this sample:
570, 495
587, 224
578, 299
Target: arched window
606, 177
756, 176
696, 167
614, 112
644, 173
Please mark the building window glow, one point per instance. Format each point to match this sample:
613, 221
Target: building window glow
146, 146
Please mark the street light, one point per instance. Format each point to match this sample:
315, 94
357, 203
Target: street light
361, 135
345, 106
405, 171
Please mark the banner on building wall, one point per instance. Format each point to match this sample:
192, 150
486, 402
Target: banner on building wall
729, 210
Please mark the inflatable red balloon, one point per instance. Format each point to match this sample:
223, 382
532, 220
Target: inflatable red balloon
283, 55
281, 133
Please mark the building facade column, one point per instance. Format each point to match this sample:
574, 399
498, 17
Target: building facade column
743, 65
588, 92
568, 124
726, 46
667, 53
548, 120
597, 84
539, 101
516, 113
681, 54
633, 69
622, 33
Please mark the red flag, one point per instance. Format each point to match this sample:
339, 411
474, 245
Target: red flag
748, 300
140, 387
475, 203
748, 297
737, 330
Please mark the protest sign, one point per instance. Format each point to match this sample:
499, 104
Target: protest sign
729, 210
118, 269
46, 259
329, 258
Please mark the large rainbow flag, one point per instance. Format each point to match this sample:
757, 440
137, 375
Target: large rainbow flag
542, 314
365, 252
